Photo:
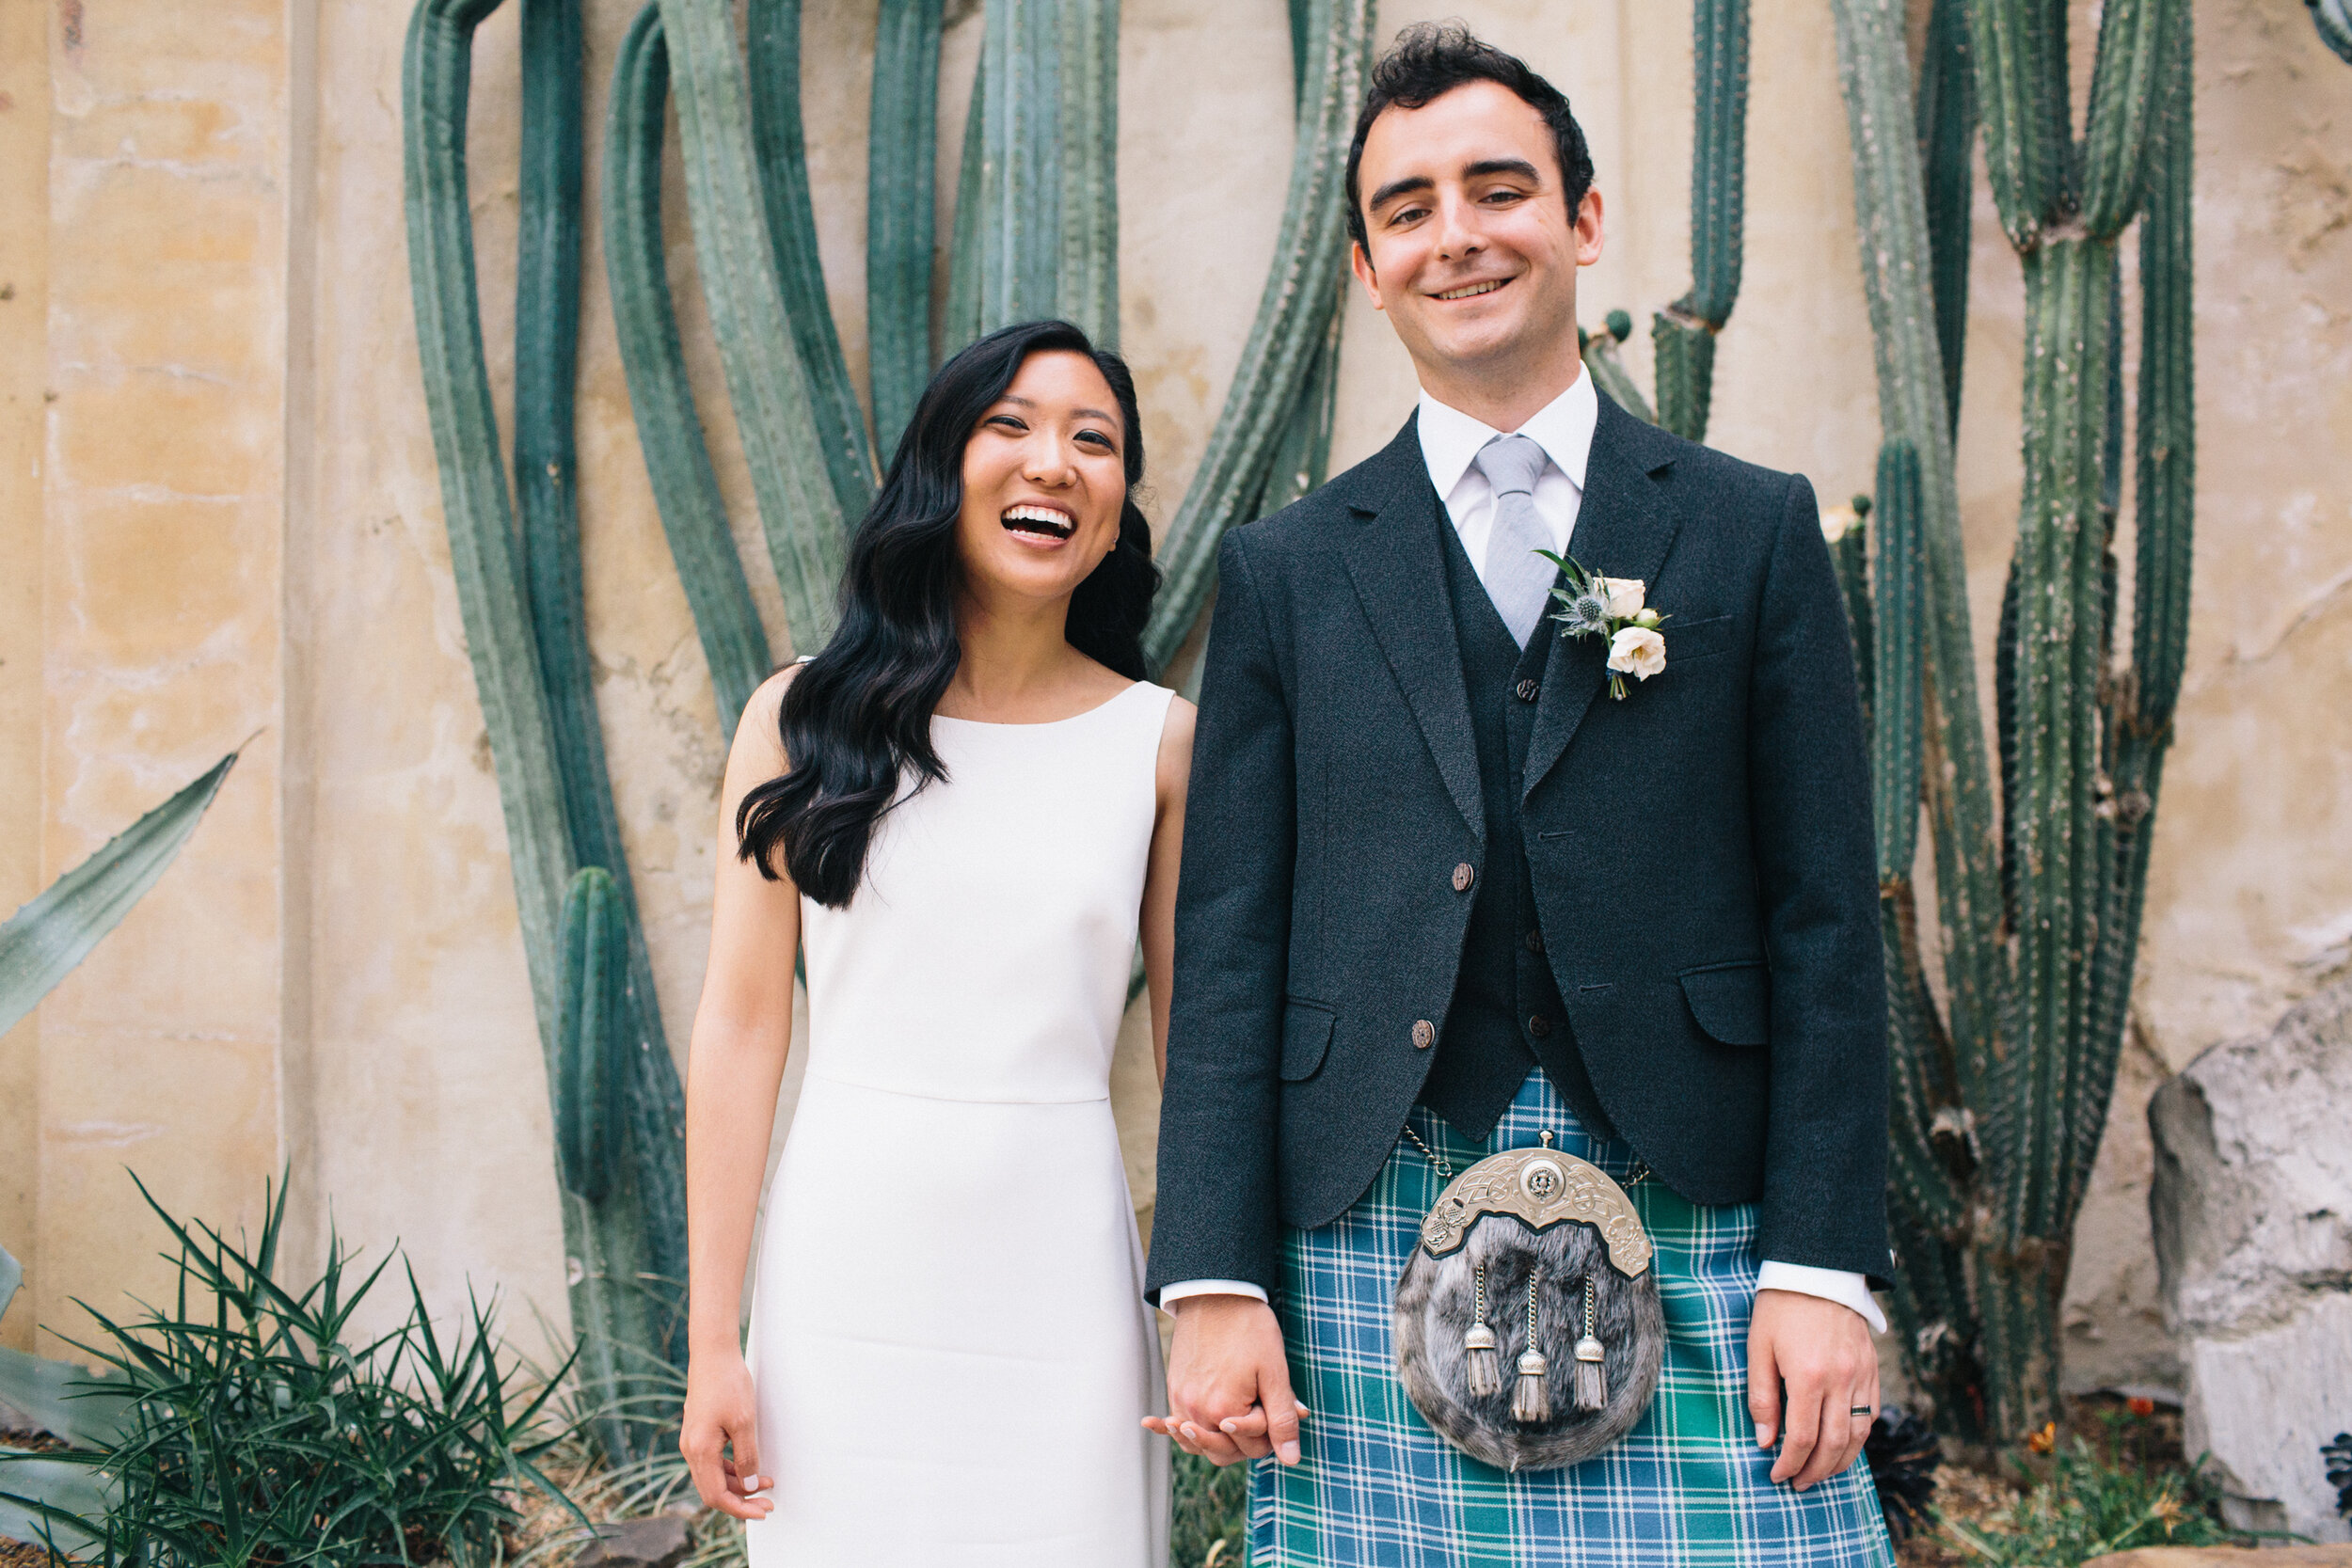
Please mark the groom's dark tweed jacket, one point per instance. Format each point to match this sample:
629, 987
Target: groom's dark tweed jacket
1700, 857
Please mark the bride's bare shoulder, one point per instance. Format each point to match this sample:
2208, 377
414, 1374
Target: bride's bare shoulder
1176, 742
758, 740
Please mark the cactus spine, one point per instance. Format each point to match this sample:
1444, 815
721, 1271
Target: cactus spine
1997, 1108
619, 1245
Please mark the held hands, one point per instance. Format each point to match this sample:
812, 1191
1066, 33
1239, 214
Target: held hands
1822, 1351
719, 1413
1229, 1388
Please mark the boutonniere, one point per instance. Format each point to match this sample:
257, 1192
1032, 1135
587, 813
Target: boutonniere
1610, 609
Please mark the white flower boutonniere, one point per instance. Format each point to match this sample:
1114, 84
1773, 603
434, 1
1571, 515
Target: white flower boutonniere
1610, 609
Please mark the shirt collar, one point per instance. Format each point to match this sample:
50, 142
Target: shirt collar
1563, 427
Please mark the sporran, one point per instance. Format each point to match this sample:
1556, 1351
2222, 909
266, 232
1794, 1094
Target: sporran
1528, 1327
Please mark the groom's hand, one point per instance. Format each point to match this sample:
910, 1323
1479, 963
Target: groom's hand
1820, 1351
1229, 1388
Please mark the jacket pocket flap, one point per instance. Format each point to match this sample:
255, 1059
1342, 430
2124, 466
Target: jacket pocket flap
1690, 640
1733, 1002
1306, 1037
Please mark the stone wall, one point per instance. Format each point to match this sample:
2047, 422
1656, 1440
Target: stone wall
219, 520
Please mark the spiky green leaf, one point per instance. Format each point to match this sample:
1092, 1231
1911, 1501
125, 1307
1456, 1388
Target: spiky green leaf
43, 940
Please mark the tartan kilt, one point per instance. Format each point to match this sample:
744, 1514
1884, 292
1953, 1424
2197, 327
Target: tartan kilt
1685, 1488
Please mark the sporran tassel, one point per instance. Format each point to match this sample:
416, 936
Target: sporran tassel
1589, 1383
1531, 1401
1482, 1362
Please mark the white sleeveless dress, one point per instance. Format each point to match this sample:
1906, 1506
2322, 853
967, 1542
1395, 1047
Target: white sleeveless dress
949, 1341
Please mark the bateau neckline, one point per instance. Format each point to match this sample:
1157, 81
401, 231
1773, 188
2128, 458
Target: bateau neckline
1111, 701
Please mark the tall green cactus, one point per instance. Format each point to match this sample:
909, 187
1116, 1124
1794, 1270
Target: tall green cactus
773, 39
589, 1084
783, 446
653, 357
625, 1254
1999, 1099
1037, 213
1682, 336
900, 152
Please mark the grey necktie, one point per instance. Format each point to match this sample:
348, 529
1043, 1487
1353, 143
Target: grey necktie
1517, 579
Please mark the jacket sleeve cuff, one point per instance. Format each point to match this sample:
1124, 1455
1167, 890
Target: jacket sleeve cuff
1171, 1295
1837, 1285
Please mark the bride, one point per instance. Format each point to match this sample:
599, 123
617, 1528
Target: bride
961, 812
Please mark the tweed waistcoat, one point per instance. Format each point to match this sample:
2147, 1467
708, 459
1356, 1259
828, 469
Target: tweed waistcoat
1506, 1014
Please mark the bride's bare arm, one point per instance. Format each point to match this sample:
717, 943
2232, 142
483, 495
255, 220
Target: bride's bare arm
1159, 881
735, 1063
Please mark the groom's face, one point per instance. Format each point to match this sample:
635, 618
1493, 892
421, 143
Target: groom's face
1472, 251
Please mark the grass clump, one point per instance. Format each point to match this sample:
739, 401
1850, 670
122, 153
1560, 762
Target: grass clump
252, 1432
2087, 1499
1208, 1525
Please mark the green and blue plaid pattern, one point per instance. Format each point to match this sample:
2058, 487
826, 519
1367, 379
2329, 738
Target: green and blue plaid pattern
1685, 1488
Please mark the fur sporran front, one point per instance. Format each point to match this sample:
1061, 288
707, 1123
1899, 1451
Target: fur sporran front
1528, 1328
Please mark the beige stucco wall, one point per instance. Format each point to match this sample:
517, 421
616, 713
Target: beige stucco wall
219, 514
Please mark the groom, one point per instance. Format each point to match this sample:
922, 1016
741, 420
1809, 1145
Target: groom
1437, 880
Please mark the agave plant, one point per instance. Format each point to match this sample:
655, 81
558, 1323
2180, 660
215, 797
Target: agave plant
43, 941
244, 1424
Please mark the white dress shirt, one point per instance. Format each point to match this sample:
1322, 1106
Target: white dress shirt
1563, 428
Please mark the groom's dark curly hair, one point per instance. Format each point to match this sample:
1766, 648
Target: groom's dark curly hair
1430, 60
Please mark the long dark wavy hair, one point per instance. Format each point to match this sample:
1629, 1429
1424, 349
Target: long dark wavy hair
860, 713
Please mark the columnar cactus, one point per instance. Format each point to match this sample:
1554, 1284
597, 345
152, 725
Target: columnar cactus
627, 1252
772, 37
900, 152
2000, 1099
1682, 336
669, 431
589, 1082
783, 446
1037, 213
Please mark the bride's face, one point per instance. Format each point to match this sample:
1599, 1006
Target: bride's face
1044, 477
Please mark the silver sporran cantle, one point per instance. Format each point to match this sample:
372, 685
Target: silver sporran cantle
1528, 1328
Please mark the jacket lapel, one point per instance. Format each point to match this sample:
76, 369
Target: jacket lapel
1623, 530
1399, 573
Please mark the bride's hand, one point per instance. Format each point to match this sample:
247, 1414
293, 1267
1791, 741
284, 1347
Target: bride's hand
720, 1413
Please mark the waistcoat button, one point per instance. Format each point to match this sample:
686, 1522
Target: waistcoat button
1527, 690
1534, 941
1539, 1026
1424, 1034
1464, 874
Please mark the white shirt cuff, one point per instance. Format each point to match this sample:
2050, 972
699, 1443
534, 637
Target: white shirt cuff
1171, 1295
1841, 1286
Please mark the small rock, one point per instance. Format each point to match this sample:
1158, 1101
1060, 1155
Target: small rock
2227, 1556
660, 1542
